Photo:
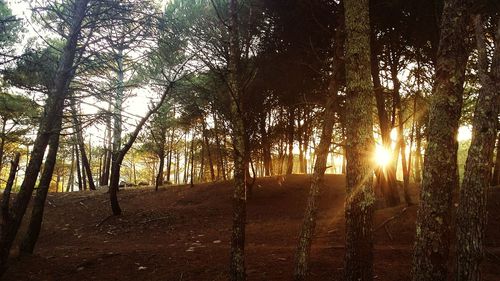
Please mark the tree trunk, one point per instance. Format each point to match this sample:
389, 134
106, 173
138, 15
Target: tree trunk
495, 179
401, 136
386, 187
84, 176
191, 178
159, 175
53, 112
4, 208
440, 176
220, 163
266, 147
78, 168
309, 222
119, 154
5, 216
35, 224
209, 153
114, 182
418, 153
170, 152
360, 199
472, 213
71, 177
201, 175
108, 151
237, 263
81, 145
2, 144
290, 135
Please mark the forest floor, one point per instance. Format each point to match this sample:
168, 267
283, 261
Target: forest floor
181, 233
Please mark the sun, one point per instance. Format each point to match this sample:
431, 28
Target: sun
382, 156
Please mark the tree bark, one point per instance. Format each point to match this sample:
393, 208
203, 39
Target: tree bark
266, 147
2, 143
78, 167
108, 152
359, 144
440, 177
209, 153
119, 154
237, 262
290, 135
418, 153
71, 177
401, 137
472, 212
35, 224
4, 208
309, 222
159, 175
81, 145
170, 152
386, 187
191, 178
495, 179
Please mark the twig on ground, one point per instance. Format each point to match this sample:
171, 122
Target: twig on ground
388, 232
156, 219
104, 220
390, 219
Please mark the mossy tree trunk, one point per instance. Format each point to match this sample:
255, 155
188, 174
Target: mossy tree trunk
495, 179
359, 143
471, 214
310, 214
309, 222
237, 263
440, 176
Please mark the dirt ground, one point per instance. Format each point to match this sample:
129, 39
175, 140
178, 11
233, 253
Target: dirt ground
182, 233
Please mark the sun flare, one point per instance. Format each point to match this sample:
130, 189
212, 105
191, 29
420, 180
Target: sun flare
382, 156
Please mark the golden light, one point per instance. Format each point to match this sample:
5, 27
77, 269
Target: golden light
394, 134
464, 133
382, 156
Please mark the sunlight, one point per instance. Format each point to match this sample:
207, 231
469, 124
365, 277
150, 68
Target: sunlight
394, 134
464, 133
382, 156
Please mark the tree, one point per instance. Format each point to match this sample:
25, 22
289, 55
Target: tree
170, 64
159, 126
495, 178
329, 118
359, 143
30, 238
471, 213
81, 144
237, 266
440, 177
52, 113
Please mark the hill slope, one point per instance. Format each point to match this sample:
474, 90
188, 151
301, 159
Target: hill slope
182, 233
